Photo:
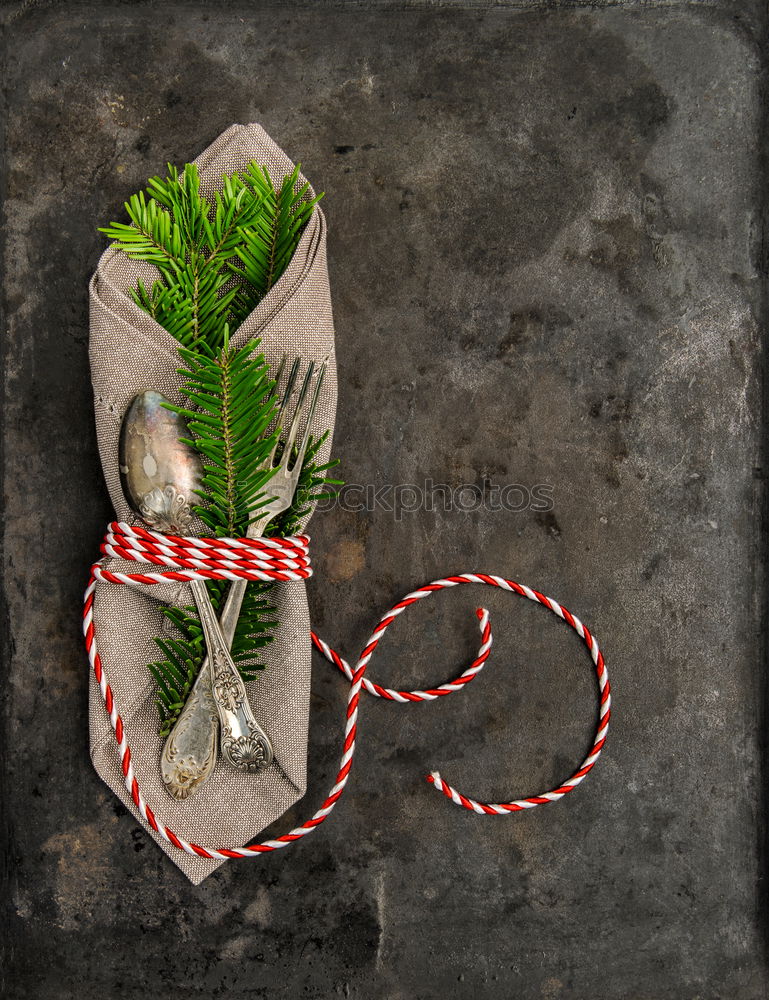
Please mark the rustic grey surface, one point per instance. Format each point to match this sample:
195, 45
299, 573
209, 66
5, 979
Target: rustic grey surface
545, 250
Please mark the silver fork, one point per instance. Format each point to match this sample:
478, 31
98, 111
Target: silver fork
189, 753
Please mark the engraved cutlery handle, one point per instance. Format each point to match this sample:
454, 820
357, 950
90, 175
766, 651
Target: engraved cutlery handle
189, 753
243, 743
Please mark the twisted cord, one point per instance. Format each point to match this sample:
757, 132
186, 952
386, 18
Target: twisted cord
288, 559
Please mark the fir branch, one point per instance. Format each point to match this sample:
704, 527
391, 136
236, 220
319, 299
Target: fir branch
197, 247
233, 408
152, 236
269, 242
215, 261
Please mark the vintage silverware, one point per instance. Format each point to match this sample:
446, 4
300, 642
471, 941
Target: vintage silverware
160, 476
193, 738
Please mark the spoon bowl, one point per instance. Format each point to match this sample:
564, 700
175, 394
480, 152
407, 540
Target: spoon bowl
160, 475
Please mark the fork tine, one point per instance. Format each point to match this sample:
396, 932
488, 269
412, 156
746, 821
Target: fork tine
294, 427
278, 374
273, 393
289, 387
284, 400
310, 414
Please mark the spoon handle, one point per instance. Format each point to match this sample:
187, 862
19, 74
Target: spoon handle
244, 744
189, 754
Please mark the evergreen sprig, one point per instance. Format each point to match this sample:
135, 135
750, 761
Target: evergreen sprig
215, 260
269, 240
234, 406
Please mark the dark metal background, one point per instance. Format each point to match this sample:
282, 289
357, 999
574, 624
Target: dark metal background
545, 252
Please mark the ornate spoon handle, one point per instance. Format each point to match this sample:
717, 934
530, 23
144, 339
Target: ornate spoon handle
244, 744
190, 753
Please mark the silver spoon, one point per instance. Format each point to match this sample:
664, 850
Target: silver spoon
160, 476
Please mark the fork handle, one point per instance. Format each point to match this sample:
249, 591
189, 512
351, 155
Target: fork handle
243, 743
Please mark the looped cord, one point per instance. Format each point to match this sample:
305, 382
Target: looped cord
191, 558
288, 559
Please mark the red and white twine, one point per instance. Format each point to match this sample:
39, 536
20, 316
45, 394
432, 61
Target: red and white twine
287, 559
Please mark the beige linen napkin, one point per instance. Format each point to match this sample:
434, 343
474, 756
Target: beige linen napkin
129, 353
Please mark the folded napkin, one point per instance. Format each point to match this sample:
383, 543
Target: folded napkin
129, 353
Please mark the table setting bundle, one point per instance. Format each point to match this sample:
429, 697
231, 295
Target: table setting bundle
215, 385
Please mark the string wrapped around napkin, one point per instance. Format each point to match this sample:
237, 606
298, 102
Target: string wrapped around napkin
130, 352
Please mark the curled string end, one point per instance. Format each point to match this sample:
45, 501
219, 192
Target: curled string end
432, 777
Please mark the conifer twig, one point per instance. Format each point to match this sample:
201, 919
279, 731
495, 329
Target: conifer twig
215, 261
